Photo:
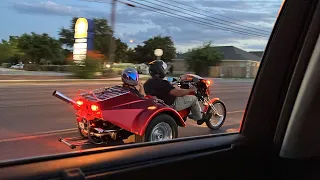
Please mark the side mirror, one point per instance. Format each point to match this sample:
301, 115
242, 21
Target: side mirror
172, 79
194, 79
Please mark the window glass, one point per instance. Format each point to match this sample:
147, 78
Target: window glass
213, 48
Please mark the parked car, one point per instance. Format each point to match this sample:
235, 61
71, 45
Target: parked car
142, 68
17, 66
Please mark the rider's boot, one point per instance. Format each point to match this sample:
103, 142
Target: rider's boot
205, 117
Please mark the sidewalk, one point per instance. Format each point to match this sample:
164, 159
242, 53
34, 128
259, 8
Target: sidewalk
18, 72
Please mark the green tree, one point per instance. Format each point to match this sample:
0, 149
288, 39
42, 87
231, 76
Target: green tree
5, 52
131, 55
200, 58
145, 53
66, 36
121, 51
40, 46
9, 51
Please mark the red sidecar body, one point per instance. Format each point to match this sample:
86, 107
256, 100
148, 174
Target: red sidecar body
123, 108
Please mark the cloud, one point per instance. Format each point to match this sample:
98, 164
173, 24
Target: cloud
253, 17
46, 8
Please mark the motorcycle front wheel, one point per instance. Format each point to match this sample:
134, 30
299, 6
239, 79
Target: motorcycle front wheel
219, 114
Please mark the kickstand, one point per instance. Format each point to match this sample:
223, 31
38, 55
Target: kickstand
73, 142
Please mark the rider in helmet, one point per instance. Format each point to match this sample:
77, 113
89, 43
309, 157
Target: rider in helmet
176, 97
130, 79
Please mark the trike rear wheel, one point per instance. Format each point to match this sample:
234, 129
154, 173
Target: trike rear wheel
161, 128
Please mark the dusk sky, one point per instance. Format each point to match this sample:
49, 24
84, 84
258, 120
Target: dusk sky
247, 16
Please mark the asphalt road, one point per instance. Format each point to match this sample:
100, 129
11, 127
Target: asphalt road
31, 120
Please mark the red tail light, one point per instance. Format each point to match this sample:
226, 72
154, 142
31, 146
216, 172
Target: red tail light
79, 103
94, 107
96, 111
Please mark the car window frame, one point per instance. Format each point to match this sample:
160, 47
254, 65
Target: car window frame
254, 114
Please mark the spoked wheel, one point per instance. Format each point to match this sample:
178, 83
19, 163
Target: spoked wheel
219, 113
82, 133
94, 139
161, 128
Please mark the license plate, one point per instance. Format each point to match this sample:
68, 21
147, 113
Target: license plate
81, 125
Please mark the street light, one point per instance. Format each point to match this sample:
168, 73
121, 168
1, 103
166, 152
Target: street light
158, 53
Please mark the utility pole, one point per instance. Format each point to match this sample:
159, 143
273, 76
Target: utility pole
112, 43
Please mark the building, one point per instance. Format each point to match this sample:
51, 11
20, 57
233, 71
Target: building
232, 57
257, 53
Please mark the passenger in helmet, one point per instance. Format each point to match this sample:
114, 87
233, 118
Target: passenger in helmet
130, 79
178, 98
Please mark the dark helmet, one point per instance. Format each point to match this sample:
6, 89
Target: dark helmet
158, 68
130, 77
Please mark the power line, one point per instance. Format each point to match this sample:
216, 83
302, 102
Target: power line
167, 13
220, 23
261, 31
204, 23
219, 14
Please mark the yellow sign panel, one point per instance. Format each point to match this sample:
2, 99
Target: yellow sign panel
81, 28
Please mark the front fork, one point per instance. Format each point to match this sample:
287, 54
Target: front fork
208, 103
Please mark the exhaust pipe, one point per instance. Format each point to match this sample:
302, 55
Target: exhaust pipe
64, 98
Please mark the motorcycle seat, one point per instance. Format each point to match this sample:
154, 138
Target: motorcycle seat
157, 99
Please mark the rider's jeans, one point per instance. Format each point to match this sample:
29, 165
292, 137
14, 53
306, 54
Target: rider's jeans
187, 101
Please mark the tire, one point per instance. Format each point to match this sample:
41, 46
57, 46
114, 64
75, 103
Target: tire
81, 133
162, 120
221, 121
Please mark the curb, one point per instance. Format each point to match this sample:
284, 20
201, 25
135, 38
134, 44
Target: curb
57, 80
64, 80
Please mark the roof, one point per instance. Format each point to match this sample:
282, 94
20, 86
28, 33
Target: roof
257, 53
234, 53
230, 53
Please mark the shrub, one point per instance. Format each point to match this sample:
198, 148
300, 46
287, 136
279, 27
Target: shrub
54, 68
117, 71
49, 68
44, 67
123, 65
65, 68
31, 67
108, 73
6, 65
88, 69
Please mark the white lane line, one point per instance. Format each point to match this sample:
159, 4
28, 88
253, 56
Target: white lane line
40, 134
62, 131
234, 112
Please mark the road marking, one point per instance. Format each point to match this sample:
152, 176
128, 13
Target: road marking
64, 131
231, 130
41, 134
233, 112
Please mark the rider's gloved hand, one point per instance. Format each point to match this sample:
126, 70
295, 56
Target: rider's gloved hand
193, 89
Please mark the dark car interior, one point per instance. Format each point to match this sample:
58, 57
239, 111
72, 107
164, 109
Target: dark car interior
278, 138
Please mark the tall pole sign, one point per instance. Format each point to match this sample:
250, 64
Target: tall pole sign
84, 34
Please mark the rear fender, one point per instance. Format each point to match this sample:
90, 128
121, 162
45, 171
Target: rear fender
210, 102
142, 121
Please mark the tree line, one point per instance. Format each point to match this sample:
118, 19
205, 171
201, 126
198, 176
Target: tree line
43, 49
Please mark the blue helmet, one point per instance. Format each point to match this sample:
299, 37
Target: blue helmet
130, 77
